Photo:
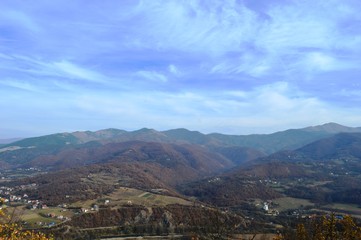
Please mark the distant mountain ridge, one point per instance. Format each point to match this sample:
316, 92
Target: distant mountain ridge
335, 160
333, 128
219, 169
236, 148
182, 135
339, 146
345, 145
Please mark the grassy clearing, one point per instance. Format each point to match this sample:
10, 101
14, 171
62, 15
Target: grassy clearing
318, 183
287, 203
34, 217
351, 209
123, 196
126, 195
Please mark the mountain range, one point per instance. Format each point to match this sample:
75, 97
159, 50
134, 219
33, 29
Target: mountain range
182, 161
333, 162
236, 148
205, 175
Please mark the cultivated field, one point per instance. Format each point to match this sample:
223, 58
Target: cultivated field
288, 203
126, 196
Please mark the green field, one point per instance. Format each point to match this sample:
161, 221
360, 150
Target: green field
124, 196
34, 217
351, 209
288, 203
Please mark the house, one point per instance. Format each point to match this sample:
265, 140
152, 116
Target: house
95, 207
265, 207
63, 205
52, 224
43, 206
84, 210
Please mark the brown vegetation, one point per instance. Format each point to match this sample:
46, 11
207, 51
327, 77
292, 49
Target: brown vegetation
325, 228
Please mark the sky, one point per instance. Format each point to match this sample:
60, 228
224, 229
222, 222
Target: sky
228, 66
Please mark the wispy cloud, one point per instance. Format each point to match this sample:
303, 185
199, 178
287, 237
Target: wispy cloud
74, 71
35, 67
21, 85
273, 106
197, 64
269, 108
174, 70
324, 62
152, 76
18, 20
197, 26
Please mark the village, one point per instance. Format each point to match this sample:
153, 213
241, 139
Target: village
32, 212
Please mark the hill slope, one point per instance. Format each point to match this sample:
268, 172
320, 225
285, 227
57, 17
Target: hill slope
327, 170
237, 148
191, 159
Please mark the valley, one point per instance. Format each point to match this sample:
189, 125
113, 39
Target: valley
114, 183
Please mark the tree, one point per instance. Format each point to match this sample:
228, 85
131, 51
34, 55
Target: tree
326, 228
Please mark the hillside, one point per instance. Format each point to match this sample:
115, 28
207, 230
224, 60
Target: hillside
325, 171
190, 159
237, 148
143, 165
342, 146
270, 143
166, 165
91, 182
226, 191
239, 155
153, 223
176, 180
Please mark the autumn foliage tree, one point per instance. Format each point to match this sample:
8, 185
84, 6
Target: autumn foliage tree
325, 228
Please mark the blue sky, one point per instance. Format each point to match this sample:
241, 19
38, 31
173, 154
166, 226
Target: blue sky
228, 66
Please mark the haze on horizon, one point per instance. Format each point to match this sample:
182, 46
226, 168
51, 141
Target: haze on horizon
228, 66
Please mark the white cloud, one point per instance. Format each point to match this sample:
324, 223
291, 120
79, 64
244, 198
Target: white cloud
321, 61
73, 71
152, 76
251, 64
35, 66
353, 93
311, 63
174, 70
273, 107
19, 20
309, 24
267, 108
175, 59
208, 30
211, 26
22, 85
